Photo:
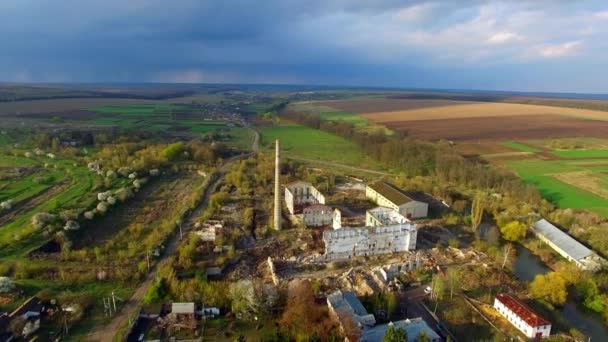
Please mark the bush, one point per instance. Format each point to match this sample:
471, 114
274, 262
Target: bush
172, 151
42, 219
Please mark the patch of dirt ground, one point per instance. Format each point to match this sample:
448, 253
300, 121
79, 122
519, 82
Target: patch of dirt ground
501, 128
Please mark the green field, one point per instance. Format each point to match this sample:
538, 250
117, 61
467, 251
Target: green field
519, 146
582, 154
538, 173
355, 119
160, 118
304, 142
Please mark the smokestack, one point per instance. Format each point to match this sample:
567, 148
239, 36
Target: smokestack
277, 188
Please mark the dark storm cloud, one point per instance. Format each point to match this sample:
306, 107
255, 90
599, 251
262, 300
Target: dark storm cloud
448, 44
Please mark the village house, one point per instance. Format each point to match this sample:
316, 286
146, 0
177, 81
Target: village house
387, 195
30, 313
347, 309
318, 215
299, 195
413, 327
522, 317
208, 230
567, 246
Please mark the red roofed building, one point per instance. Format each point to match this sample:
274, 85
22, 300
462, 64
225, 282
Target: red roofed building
522, 317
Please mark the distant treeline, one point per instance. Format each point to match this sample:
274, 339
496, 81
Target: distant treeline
30, 93
416, 158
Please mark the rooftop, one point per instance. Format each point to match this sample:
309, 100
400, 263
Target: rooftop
413, 328
563, 241
522, 311
183, 308
391, 192
346, 300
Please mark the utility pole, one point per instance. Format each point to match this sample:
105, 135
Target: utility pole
114, 301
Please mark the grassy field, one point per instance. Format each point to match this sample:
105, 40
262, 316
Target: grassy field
582, 154
304, 142
551, 177
519, 146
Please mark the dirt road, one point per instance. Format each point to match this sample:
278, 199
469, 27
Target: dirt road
106, 333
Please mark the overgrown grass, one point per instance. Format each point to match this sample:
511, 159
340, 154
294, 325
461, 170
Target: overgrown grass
355, 119
582, 154
538, 173
304, 142
519, 146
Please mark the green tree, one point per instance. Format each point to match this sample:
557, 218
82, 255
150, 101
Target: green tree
550, 287
172, 151
454, 283
156, 292
437, 287
513, 231
394, 335
592, 298
477, 209
423, 337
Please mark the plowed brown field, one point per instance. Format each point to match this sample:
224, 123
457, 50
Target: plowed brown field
502, 128
371, 106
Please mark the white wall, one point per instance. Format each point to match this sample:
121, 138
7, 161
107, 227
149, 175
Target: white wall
522, 326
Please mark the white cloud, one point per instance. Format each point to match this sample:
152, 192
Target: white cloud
602, 15
503, 37
562, 50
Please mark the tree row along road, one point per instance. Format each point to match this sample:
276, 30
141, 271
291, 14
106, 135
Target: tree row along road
107, 332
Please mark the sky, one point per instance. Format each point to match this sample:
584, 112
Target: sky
521, 45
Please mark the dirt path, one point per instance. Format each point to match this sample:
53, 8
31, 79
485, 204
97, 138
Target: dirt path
107, 332
31, 203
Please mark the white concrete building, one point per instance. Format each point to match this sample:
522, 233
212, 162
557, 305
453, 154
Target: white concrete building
567, 246
387, 195
383, 216
299, 195
336, 219
318, 215
386, 232
522, 317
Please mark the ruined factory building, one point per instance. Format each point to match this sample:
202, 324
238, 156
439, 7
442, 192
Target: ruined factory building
388, 195
522, 317
413, 327
299, 195
387, 232
318, 215
567, 246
